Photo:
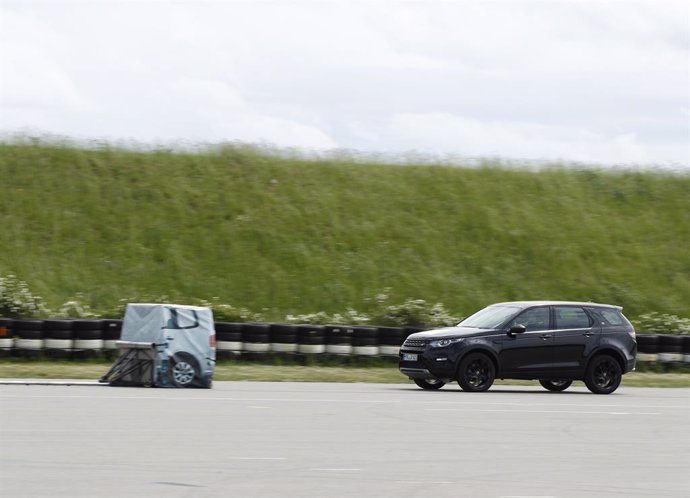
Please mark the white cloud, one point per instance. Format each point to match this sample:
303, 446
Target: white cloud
603, 81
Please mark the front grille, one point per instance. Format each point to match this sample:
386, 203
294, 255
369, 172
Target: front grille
414, 343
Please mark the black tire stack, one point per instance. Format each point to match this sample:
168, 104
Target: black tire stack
647, 348
228, 340
311, 339
88, 338
28, 338
671, 349
390, 340
256, 340
365, 341
58, 338
6, 337
339, 340
283, 339
112, 331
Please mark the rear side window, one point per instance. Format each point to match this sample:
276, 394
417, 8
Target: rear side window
571, 318
612, 317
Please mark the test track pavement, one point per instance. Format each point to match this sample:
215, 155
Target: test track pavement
289, 439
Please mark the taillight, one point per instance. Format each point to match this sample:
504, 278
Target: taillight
212, 340
631, 333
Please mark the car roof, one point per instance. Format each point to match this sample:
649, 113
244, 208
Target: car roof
527, 304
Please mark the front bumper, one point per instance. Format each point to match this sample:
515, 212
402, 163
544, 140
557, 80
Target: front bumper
436, 365
417, 373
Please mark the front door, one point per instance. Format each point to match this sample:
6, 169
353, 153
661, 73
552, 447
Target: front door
529, 354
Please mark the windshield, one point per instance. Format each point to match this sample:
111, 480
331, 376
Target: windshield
490, 318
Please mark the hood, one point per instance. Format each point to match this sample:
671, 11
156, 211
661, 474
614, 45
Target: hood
450, 332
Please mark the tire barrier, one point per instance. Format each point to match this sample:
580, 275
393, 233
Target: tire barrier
58, 338
256, 339
6, 337
311, 339
28, 340
390, 340
339, 340
112, 330
671, 349
88, 338
647, 347
79, 338
283, 339
365, 341
228, 340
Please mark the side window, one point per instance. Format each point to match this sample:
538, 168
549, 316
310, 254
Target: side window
571, 318
533, 319
612, 317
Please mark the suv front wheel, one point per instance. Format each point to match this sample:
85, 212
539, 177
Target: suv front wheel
476, 372
603, 375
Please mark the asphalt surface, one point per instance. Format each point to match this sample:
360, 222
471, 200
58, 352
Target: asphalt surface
338, 440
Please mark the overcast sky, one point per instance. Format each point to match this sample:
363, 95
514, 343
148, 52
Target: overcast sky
604, 82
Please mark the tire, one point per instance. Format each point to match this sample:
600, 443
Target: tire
555, 385
603, 375
476, 373
184, 370
429, 384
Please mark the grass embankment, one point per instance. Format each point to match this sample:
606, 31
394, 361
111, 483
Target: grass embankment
252, 371
286, 235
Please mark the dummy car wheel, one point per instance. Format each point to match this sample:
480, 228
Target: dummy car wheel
185, 369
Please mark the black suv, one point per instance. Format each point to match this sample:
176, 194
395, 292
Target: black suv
555, 342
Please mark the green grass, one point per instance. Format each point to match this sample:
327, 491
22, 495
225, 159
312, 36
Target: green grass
252, 371
286, 235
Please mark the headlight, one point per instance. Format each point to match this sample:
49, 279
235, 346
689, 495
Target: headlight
442, 343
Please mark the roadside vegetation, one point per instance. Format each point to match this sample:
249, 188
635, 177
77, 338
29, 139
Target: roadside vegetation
271, 236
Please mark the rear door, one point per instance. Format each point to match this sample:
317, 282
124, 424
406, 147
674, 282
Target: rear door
575, 334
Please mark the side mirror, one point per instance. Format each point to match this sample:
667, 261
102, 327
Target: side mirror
516, 329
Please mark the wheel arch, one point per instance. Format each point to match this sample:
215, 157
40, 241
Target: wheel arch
609, 351
479, 349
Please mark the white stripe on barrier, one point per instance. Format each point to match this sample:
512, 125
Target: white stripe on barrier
34, 344
229, 346
311, 348
109, 344
651, 357
6, 342
339, 348
88, 344
58, 343
365, 350
281, 347
686, 358
670, 357
389, 350
256, 347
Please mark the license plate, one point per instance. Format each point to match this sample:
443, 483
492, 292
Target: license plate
409, 357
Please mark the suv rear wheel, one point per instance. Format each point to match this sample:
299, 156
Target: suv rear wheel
603, 375
476, 372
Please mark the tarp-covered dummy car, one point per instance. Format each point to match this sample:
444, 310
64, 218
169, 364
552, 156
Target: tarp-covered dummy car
182, 339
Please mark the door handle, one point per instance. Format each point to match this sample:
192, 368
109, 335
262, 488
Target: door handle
587, 334
546, 336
